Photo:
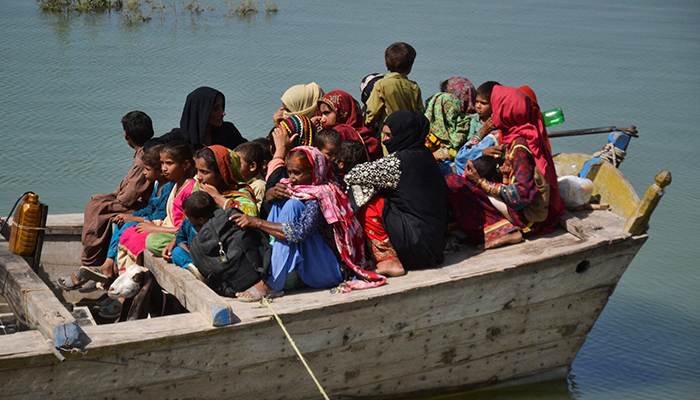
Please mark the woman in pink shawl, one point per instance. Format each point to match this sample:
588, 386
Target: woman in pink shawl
494, 213
317, 238
340, 111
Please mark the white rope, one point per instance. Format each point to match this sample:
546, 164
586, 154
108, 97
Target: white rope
611, 154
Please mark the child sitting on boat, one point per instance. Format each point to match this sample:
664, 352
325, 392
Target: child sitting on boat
251, 155
394, 91
483, 137
131, 195
199, 208
177, 165
155, 210
351, 153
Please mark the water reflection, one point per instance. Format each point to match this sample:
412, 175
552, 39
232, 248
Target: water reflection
562, 389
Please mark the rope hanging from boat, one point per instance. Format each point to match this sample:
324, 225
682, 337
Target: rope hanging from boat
611, 154
266, 303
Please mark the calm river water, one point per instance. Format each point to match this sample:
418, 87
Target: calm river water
65, 83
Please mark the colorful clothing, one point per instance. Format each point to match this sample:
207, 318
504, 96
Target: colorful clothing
409, 181
302, 126
311, 258
132, 194
155, 210
526, 153
536, 112
513, 116
132, 243
239, 195
181, 257
471, 151
464, 90
301, 100
335, 206
392, 93
448, 124
349, 122
370, 217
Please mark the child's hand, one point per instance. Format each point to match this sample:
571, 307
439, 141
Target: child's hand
167, 252
278, 116
505, 174
487, 128
283, 142
279, 191
213, 192
317, 123
145, 226
470, 173
118, 219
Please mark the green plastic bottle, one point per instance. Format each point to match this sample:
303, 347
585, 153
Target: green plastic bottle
553, 117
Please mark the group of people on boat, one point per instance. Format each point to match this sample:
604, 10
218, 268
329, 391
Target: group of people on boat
347, 194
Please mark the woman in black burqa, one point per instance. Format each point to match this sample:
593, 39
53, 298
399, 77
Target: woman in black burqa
402, 198
202, 123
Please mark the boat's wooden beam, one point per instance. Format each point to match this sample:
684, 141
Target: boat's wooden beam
637, 222
193, 294
34, 303
576, 226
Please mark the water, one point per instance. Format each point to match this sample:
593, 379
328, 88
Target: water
65, 83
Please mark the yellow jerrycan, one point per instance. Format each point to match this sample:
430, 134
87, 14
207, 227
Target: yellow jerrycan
26, 224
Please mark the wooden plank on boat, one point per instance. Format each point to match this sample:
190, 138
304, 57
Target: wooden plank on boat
575, 226
193, 294
34, 303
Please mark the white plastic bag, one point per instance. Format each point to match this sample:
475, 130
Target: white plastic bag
575, 191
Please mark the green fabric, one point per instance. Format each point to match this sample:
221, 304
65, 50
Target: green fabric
474, 125
156, 242
447, 121
392, 93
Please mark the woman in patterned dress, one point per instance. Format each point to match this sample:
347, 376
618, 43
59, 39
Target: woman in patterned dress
495, 214
402, 198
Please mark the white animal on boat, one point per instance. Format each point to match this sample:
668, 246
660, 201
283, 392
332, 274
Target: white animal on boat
128, 284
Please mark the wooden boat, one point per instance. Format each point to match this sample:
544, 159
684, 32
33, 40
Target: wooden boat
510, 315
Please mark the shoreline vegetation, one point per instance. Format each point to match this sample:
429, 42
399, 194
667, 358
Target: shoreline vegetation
143, 11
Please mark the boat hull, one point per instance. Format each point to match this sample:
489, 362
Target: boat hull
510, 315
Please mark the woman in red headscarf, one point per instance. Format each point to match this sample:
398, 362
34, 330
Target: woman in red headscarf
340, 111
495, 213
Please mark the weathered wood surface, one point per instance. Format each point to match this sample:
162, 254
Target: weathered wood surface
33, 302
609, 183
637, 222
507, 313
193, 294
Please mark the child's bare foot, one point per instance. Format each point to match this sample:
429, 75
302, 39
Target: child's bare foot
511, 238
391, 267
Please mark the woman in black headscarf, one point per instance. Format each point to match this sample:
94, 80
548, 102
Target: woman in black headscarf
402, 198
202, 122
